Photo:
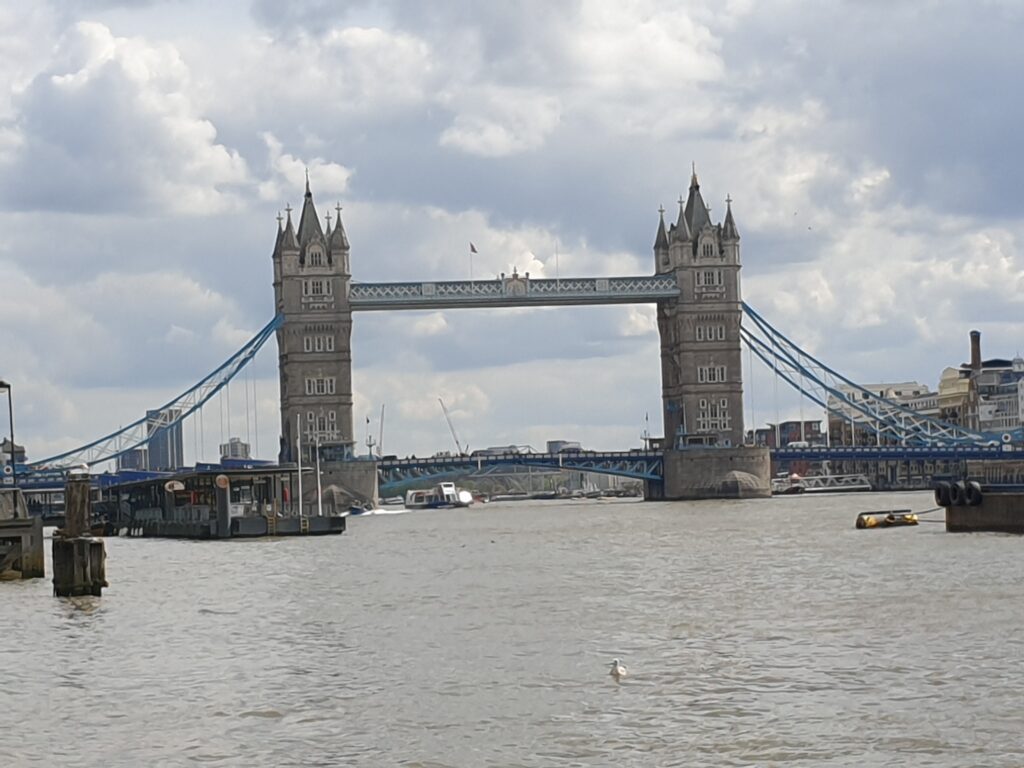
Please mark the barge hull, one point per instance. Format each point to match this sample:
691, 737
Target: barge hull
241, 528
997, 513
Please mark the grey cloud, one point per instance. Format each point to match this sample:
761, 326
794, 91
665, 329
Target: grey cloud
926, 94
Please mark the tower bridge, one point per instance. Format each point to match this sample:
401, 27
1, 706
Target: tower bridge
695, 286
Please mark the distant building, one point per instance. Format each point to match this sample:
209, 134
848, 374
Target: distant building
5, 452
136, 458
993, 393
165, 446
790, 432
235, 448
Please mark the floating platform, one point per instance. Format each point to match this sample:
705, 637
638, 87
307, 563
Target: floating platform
238, 527
886, 518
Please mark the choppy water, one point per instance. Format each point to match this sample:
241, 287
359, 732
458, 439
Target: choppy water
767, 633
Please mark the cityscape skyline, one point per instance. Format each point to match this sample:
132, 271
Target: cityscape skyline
878, 225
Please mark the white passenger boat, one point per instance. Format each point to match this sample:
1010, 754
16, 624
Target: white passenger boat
441, 496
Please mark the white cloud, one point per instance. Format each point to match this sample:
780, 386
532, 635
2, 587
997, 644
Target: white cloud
429, 325
502, 121
288, 173
110, 124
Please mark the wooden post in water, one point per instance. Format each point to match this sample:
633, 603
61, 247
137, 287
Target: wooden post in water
222, 490
79, 561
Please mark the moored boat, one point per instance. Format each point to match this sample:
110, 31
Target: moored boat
826, 483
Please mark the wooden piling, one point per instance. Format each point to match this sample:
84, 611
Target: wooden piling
222, 491
79, 561
79, 567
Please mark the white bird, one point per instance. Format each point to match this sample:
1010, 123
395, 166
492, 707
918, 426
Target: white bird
618, 670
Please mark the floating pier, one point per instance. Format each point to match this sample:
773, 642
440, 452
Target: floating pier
205, 506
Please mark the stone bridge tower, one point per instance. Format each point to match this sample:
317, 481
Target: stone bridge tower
702, 389
311, 288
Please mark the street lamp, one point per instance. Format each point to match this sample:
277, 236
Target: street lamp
10, 414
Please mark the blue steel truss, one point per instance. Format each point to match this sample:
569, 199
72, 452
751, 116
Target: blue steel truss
888, 420
636, 464
137, 433
953, 452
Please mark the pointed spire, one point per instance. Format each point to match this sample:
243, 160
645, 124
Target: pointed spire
309, 222
661, 240
339, 241
729, 231
696, 212
327, 230
288, 236
280, 236
681, 231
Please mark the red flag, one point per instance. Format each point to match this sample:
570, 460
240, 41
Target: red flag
472, 248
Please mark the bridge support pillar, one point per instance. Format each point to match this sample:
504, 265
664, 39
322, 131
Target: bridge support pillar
714, 473
346, 483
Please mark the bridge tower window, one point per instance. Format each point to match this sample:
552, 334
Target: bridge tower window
711, 374
709, 277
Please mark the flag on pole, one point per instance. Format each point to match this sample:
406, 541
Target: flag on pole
367, 419
472, 248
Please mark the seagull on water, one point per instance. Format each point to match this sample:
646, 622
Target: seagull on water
618, 670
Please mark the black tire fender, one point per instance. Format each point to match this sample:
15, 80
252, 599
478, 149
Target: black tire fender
957, 494
973, 494
942, 495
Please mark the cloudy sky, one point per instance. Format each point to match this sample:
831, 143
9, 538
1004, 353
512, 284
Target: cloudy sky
871, 150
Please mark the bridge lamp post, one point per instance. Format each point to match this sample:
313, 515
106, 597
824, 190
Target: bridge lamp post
10, 414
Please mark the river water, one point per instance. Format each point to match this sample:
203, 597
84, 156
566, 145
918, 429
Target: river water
756, 633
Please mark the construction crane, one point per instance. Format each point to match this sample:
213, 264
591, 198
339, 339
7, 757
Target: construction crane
451, 427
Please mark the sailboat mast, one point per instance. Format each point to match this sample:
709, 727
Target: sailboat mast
380, 440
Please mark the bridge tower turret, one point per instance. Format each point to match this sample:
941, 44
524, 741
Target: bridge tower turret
702, 389
311, 289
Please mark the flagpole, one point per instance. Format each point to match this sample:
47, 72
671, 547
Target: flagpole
298, 445
471, 262
319, 490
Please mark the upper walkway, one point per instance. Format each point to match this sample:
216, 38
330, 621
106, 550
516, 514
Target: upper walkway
513, 290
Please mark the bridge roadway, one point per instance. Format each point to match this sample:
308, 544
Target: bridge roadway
637, 464
648, 465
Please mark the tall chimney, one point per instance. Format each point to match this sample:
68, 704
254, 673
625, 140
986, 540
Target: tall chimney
975, 350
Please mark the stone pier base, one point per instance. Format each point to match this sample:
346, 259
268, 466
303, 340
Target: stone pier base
349, 482
714, 473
